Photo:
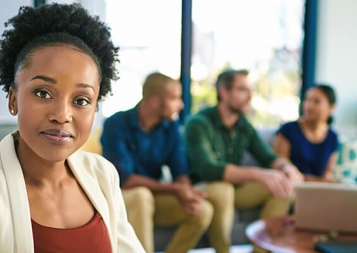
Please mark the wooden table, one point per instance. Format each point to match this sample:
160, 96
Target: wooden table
279, 235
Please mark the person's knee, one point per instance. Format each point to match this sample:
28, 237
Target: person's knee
258, 194
140, 197
287, 200
221, 194
260, 189
276, 207
204, 217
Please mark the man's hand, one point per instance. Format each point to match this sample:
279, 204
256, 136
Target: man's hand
294, 175
277, 182
290, 170
189, 198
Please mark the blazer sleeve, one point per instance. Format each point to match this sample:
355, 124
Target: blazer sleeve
127, 241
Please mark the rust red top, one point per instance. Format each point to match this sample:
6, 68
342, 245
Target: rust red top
93, 237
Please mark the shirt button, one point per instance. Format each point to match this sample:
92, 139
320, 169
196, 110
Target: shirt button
230, 151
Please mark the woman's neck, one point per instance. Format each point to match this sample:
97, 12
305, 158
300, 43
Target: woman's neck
313, 126
38, 171
314, 131
148, 118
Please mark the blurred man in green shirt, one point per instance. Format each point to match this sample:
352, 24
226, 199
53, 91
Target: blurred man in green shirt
216, 139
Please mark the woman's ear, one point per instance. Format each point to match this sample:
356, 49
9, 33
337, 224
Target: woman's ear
332, 109
12, 101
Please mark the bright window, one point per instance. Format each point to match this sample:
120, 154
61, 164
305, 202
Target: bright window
149, 36
262, 36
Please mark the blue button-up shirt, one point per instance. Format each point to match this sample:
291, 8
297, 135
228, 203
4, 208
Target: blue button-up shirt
134, 151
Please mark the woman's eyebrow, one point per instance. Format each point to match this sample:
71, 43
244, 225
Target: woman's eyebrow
45, 78
53, 81
85, 85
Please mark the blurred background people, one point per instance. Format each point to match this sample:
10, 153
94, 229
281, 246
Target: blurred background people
310, 142
216, 139
139, 142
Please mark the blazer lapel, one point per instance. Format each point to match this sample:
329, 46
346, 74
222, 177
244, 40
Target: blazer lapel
81, 168
18, 196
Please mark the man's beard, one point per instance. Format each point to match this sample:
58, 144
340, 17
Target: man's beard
172, 117
243, 109
235, 110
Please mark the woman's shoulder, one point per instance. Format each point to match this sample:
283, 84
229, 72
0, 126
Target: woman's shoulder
92, 164
333, 134
288, 127
332, 131
290, 124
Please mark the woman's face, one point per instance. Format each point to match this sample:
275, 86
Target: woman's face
55, 98
316, 106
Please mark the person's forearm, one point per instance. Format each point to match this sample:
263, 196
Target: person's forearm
183, 179
290, 170
280, 163
240, 174
154, 185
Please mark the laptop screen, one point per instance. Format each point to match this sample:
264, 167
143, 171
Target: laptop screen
329, 207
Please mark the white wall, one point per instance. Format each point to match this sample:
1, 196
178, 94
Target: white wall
8, 9
337, 57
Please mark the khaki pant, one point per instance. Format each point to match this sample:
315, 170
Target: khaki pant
146, 209
225, 197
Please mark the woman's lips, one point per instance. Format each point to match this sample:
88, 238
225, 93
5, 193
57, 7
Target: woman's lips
57, 136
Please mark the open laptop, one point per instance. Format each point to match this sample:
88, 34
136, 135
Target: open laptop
326, 207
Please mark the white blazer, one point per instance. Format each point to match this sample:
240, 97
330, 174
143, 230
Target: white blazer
99, 180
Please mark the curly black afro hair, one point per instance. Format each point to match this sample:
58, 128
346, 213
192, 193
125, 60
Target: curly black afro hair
57, 23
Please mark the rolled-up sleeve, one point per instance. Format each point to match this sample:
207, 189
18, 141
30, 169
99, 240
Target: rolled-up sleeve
203, 161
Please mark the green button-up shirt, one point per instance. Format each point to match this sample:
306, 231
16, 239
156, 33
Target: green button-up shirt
211, 146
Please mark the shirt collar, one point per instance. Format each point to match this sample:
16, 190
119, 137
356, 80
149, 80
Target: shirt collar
217, 120
134, 120
134, 117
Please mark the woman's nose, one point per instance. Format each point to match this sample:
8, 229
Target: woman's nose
60, 112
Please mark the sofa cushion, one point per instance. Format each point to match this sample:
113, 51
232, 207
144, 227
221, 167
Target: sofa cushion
267, 136
345, 170
93, 143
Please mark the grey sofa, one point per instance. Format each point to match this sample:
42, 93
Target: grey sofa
242, 218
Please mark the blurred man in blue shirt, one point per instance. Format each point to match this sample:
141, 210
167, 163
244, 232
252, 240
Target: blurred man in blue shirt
139, 142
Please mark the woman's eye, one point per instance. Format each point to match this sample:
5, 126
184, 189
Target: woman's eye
82, 102
43, 94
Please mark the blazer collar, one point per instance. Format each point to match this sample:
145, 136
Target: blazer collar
18, 195
88, 180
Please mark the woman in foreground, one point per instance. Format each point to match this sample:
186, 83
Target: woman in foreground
56, 63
